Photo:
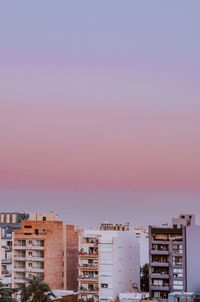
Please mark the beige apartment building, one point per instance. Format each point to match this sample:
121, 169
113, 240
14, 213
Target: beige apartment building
45, 246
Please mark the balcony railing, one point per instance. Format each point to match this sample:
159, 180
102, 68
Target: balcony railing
19, 269
87, 255
19, 258
160, 276
29, 247
88, 278
17, 280
35, 258
160, 287
88, 267
159, 252
161, 264
6, 261
86, 291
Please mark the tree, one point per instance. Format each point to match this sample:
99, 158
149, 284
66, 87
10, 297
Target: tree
36, 290
144, 278
6, 293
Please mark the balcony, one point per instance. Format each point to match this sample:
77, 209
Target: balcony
19, 247
160, 264
159, 252
85, 279
35, 270
34, 247
29, 247
177, 252
19, 269
19, 280
160, 287
35, 258
85, 291
6, 273
88, 256
159, 276
6, 261
87, 267
19, 258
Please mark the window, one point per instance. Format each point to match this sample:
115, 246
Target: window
30, 253
36, 232
30, 242
44, 218
177, 261
27, 226
30, 264
104, 285
180, 287
28, 234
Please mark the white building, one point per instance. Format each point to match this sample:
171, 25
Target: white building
142, 235
8, 222
133, 297
108, 263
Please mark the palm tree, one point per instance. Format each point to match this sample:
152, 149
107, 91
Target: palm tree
6, 293
144, 278
24, 293
36, 290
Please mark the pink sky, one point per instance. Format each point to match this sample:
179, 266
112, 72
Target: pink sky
97, 147
105, 96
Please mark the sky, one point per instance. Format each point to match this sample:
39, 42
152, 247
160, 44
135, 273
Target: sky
100, 109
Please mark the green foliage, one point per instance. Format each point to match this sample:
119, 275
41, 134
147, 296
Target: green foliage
6, 293
36, 290
144, 278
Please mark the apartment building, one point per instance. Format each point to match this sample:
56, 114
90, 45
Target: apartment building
8, 223
45, 246
108, 262
168, 262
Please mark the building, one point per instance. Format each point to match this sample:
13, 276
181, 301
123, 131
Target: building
133, 297
108, 262
181, 297
45, 246
168, 257
8, 223
65, 296
143, 238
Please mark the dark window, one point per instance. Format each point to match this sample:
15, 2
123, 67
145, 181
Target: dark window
104, 285
36, 232
44, 218
28, 234
27, 226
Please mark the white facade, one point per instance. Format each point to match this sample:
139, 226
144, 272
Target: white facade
143, 239
133, 297
108, 263
6, 260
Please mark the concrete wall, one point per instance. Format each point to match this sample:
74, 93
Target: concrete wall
71, 258
126, 262
193, 258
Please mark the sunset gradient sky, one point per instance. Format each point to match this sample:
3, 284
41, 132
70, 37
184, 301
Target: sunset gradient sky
100, 96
